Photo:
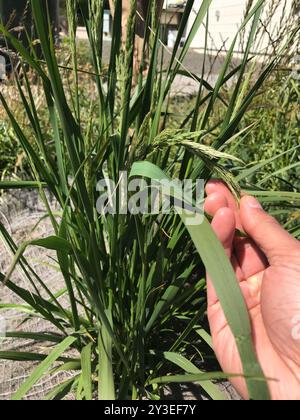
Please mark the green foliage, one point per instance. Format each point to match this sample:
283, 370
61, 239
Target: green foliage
9, 162
277, 130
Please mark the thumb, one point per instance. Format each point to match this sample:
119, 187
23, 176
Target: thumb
268, 234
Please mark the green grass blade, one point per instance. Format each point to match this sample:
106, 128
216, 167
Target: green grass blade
52, 242
16, 185
19, 356
200, 377
190, 368
60, 391
38, 373
106, 377
206, 337
251, 38
35, 336
86, 360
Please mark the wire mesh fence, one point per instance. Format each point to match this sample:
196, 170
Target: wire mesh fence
20, 215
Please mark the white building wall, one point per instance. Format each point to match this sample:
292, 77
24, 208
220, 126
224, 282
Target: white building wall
225, 17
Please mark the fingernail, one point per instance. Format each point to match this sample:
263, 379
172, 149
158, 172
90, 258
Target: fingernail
253, 203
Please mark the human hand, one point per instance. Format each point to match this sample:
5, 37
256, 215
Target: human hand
268, 269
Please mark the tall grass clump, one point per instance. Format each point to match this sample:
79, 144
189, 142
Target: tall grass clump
135, 313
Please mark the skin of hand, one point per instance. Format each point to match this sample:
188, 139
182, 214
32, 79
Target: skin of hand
267, 265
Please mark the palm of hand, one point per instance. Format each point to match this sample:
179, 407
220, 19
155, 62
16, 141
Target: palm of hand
271, 289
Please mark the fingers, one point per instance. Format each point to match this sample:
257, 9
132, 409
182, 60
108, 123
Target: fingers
267, 233
214, 202
251, 259
219, 187
248, 259
224, 226
223, 223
